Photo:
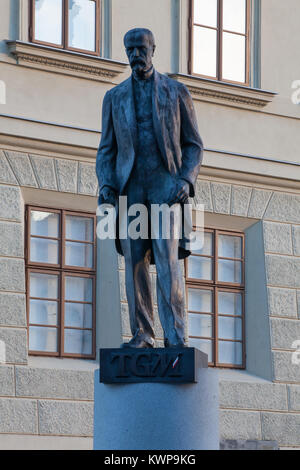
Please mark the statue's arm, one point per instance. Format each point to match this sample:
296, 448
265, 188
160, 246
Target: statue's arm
191, 142
107, 151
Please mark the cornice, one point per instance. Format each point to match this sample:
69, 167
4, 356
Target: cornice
225, 93
65, 62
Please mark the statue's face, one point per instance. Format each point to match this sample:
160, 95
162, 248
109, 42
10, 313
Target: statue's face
139, 50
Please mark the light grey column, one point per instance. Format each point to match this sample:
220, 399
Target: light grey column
156, 416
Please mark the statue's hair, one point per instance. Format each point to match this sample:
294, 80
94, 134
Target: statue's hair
140, 30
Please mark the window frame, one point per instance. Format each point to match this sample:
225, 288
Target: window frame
65, 29
215, 287
61, 270
219, 56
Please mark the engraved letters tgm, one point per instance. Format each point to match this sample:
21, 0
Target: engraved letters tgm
147, 365
169, 365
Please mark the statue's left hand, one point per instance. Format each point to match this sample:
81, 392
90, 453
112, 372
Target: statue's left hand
183, 191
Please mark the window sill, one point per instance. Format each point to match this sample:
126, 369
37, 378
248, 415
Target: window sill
65, 62
203, 89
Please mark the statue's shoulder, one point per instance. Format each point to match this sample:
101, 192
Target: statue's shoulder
116, 90
172, 83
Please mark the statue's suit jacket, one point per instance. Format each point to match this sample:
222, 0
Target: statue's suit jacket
175, 128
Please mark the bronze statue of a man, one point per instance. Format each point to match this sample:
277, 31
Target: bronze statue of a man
151, 152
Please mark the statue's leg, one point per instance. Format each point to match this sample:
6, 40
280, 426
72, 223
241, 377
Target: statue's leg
137, 255
138, 288
170, 289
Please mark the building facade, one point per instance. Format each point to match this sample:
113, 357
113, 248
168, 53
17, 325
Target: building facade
62, 292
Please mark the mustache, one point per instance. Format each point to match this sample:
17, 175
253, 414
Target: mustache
137, 61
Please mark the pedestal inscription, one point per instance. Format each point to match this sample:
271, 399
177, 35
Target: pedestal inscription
168, 365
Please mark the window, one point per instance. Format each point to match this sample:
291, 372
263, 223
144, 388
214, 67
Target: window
220, 39
60, 267
215, 298
66, 24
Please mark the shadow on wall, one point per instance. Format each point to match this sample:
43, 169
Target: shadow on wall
10, 16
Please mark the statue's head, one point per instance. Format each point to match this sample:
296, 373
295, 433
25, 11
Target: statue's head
140, 47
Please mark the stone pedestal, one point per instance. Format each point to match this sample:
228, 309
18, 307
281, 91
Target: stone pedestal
157, 416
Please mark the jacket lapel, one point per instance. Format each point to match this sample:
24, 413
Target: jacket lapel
159, 102
127, 101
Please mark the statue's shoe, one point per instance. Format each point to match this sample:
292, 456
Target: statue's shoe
138, 342
180, 344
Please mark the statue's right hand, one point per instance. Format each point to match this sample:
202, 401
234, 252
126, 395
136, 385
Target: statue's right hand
107, 196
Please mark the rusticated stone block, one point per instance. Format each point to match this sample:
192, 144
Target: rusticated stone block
12, 275
294, 397
10, 203
87, 179
21, 166
7, 381
45, 172
284, 207
54, 383
6, 174
296, 239
15, 340
283, 271
221, 197
18, 416
284, 332
256, 396
66, 171
203, 195
258, 203
240, 424
277, 238
240, 198
66, 418
11, 239
12, 309
282, 302
281, 427
286, 369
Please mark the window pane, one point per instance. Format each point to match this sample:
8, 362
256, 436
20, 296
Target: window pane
234, 15
43, 285
45, 224
78, 341
230, 303
42, 339
230, 352
43, 251
200, 268
200, 300
234, 57
230, 328
43, 312
79, 315
204, 345
207, 248
205, 51
79, 228
79, 288
205, 12
82, 24
230, 271
79, 254
229, 246
200, 325
48, 21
